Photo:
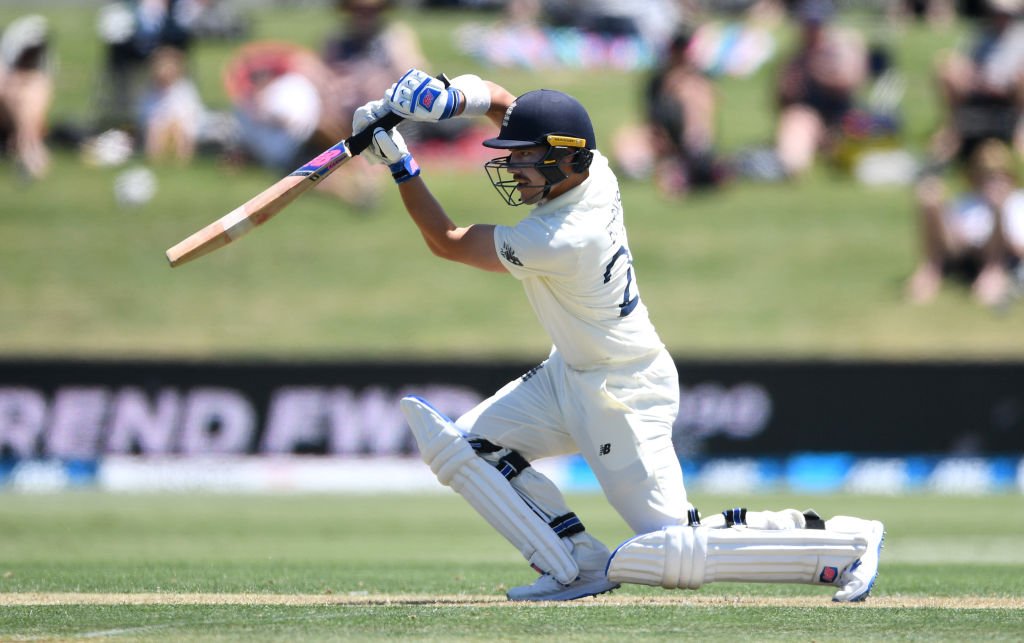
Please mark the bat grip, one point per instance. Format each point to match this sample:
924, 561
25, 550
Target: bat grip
359, 142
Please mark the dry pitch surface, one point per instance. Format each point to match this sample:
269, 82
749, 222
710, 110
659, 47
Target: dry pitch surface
678, 599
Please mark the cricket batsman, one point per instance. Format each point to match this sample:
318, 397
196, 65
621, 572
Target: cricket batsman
609, 388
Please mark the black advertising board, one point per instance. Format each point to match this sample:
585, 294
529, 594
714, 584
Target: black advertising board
84, 409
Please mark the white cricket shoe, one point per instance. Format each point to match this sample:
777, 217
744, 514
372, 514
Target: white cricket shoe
857, 580
546, 588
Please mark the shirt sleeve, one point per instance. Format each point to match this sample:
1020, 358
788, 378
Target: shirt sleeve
533, 249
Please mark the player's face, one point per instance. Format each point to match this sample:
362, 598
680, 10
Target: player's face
529, 182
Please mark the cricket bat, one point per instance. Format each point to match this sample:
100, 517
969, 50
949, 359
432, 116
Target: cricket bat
262, 207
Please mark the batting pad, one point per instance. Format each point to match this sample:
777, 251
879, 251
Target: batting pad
687, 557
456, 465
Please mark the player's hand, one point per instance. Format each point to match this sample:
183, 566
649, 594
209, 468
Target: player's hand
361, 119
391, 147
387, 146
418, 96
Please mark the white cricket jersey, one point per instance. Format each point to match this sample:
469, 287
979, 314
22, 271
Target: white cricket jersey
572, 256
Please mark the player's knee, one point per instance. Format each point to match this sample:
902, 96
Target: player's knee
507, 461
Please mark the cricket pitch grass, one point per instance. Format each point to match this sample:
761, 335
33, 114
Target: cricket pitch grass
86, 565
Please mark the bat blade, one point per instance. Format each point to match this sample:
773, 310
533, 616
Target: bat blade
259, 209
262, 207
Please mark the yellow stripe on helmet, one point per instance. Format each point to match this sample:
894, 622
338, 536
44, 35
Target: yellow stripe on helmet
566, 141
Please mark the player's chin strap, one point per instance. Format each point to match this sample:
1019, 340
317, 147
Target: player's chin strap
785, 547
456, 464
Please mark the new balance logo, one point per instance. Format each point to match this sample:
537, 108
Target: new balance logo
605, 449
510, 255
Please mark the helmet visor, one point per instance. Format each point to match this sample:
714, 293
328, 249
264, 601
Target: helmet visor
500, 173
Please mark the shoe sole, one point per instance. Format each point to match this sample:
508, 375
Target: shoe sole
574, 598
860, 598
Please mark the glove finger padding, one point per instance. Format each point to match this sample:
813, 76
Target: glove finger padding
362, 118
418, 96
388, 146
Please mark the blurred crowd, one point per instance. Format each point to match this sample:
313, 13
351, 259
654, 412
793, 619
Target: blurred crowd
837, 93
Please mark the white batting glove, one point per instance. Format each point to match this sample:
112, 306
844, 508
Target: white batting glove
418, 96
391, 147
361, 119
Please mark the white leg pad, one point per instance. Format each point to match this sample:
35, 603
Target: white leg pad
785, 519
687, 557
456, 465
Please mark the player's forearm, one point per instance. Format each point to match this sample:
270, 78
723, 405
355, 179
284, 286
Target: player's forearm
428, 215
501, 98
471, 245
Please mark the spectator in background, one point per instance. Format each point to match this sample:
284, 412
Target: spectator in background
982, 88
273, 87
817, 86
363, 58
132, 30
171, 111
978, 236
26, 92
676, 141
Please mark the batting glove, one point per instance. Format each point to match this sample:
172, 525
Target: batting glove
418, 96
391, 147
361, 119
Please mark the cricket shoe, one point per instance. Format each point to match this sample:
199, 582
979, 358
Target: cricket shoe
546, 588
857, 580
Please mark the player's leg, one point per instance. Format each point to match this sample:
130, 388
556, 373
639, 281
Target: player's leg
454, 461
622, 421
842, 552
514, 426
520, 423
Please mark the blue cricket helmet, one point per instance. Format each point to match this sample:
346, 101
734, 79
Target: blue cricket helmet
536, 115
548, 118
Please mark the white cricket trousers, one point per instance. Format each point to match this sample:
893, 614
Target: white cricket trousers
619, 418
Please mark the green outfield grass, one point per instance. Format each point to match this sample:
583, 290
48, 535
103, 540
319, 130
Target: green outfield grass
211, 567
812, 269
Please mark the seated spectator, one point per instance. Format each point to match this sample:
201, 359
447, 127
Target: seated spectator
364, 57
981, 89
131, 31
817, 87
26, 92
171, 112
676, 142
977, 237
273, 87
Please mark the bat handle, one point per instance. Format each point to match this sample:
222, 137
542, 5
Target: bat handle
359, 142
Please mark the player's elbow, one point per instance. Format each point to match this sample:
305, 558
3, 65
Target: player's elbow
446, 250
441, 247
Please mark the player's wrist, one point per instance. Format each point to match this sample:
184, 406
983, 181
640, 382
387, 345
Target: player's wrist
404, 169
474, 93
